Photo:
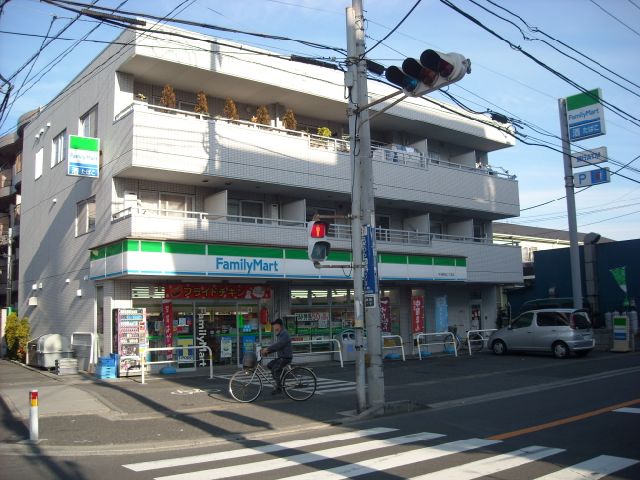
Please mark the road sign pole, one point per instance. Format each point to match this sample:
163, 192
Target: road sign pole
574, 252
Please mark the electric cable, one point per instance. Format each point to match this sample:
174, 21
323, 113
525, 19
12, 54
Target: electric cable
415, 5
614, 17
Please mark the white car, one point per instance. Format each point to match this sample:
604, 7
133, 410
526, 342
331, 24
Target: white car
560, 331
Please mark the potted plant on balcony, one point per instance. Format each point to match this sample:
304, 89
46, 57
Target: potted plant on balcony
168, 98
202, 106
230, 110
289, 120
262, 115
324, 132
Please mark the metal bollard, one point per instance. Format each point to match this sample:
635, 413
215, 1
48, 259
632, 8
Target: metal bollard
33, 416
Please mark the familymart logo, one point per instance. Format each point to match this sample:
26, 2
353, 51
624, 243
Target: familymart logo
247, 265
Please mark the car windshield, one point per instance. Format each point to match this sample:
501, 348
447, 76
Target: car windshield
581, 321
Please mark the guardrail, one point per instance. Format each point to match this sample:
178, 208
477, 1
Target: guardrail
161, 349
400, 344
312, 342
479, 332
442, 342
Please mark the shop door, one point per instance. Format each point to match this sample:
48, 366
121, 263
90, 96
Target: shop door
184, 336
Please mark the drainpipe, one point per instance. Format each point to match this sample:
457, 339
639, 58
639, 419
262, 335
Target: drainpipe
591, 278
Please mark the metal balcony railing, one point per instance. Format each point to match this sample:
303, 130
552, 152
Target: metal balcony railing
380, 152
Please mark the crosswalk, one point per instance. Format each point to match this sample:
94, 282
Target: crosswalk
324, 386
373, 451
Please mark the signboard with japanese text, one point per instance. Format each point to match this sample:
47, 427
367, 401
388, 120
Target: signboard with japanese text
84, 157
385, 314
585, 115
591, 177
417, 314
370, 267
216, 291
167, 321
589, 157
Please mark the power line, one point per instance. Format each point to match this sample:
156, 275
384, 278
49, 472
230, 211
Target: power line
618, 111
615, 18
395, 28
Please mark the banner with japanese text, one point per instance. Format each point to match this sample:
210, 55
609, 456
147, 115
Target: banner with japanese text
417, 314
167, 320
385, 314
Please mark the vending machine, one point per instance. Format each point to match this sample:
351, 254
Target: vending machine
129, 338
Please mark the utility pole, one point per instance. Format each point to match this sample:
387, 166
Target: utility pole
9, 267
574, 249
366, 307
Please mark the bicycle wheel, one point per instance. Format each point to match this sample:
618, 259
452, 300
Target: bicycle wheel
245, 385
476, 342
299, 383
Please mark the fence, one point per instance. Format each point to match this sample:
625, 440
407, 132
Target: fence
399, 344
190, 347
338, 349
441, 338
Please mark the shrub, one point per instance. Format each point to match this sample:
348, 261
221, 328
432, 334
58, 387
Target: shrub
17, 336
324, 132
262, 115
202, 106
289, 120
230, 110
168, 98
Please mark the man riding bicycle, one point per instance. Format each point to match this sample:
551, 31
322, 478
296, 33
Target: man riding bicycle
282, 345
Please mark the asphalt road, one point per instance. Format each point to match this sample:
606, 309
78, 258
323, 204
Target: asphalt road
526, 417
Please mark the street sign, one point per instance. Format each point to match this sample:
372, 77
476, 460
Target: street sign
585, 115
589, 157
591, 177
369, 269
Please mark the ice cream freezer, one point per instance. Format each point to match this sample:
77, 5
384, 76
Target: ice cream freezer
44, 350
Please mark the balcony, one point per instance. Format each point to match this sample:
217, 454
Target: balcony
191, 145
487, 262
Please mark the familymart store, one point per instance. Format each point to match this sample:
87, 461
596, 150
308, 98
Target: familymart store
224, 296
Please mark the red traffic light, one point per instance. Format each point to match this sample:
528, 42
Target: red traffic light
318, 230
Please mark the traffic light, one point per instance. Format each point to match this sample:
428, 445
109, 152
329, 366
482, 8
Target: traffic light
434, 70
319, 246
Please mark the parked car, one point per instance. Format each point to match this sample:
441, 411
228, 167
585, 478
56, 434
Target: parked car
561, 331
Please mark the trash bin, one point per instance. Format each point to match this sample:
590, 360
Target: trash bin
347, 339
46, 349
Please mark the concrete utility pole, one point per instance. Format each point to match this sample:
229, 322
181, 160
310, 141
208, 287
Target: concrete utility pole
9, 267
574, 249
363, 217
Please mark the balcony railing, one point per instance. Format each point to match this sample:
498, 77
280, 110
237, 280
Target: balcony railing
380, 152
337, 231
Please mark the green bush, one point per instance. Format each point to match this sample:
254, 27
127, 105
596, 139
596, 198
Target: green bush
324, 132
16, 334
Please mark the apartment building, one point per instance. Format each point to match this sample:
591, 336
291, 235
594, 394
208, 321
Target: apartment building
201, 219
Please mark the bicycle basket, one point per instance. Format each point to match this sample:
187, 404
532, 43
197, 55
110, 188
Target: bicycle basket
249, 360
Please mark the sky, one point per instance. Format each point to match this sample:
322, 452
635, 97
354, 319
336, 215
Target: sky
503, 79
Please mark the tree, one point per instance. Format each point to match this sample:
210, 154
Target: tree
262, 115
230, 110
17, 333
289, 120
168, 98
202, 106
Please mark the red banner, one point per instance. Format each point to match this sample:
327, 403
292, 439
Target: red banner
167, 319
188, 290
385, 314
417, 314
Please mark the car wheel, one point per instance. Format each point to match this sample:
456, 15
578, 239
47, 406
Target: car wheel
499, 347
560, 350
583, 353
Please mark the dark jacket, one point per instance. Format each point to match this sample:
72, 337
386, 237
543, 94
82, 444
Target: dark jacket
282, 345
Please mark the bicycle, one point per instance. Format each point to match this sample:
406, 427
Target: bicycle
473, 341
298, 383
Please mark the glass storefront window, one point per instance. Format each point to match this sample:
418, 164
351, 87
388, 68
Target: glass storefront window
300, 297
339, 296
319, 297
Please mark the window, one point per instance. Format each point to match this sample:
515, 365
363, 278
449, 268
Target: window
85, 216
59, 148
523, 321
89, 123
245, 211
39, 160
479, 231
165, 204
551, 319
383, 224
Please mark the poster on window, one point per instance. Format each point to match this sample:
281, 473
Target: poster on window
385, 314
417, 314
441, 314
167, 320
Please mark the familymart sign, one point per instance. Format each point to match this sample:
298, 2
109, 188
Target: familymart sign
585, 115
84, 157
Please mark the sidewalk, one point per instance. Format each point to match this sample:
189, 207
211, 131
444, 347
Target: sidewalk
94, 415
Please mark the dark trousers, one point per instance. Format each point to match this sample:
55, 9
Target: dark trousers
276, 365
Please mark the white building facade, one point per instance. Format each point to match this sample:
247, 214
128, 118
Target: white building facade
201, 219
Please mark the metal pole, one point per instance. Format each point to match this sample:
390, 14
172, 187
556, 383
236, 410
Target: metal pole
9, 268
356, 215
33, 416
375, 375
574, 249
